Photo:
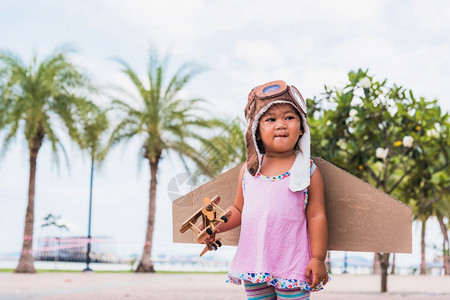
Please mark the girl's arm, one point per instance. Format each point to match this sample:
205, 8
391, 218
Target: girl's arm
236, 209
318, 230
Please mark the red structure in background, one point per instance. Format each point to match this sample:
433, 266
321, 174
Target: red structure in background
73, 249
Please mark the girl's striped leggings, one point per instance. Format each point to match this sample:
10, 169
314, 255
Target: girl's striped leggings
262, 291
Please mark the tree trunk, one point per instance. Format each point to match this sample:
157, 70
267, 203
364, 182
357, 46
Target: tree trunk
26, 257
423, 263
146, 264
393, 264
384, 264
445, 247
328, 262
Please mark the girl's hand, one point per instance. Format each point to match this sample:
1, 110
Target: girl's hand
213, 236
316, 272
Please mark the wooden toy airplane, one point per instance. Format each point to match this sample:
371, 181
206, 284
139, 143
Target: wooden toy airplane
212, 216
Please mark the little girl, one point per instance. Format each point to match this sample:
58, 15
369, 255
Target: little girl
279, 201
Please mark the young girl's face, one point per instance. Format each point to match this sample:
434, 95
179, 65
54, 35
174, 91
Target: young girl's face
279, 129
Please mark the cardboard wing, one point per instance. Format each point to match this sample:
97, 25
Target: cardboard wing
360, 217
225, 186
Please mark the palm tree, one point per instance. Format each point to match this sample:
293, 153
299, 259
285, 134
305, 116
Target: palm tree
164, 122
431, 186
443, 212
445, 245
35, 100
94, 125
423, 263
435, 206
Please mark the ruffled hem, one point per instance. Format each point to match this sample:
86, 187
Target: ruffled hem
282, 283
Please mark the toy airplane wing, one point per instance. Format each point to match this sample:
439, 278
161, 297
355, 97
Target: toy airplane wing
360, 217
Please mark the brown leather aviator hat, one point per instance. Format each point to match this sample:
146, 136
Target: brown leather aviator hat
260, 99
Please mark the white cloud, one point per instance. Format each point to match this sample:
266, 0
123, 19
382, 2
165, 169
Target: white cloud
363, 50
432, 16
187, 25
312, 81
259, 53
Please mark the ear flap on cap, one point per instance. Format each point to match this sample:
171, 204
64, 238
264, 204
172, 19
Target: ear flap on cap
250, 107
252, 156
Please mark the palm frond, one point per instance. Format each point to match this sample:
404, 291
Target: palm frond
122, 106
125, 130
56, 155
9, 138
11, 62
119, 90
132, 75
50, 134
186, 150
40, 95
167, 122
182, 76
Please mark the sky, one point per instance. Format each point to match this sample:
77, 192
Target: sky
240, 44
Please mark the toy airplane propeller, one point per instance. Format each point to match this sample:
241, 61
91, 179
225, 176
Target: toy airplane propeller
212, 216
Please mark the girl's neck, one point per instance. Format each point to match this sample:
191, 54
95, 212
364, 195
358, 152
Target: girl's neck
275, 164
280, 155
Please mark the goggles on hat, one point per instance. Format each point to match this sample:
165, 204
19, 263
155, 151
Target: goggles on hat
276, 88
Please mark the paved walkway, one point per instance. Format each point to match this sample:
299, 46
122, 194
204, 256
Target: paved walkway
202, 286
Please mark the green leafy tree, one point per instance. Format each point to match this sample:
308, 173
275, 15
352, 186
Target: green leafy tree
377, 133
35, 100
164, 122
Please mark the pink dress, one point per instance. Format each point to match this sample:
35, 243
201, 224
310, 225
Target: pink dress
274, 242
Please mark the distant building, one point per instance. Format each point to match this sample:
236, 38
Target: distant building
73, 249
